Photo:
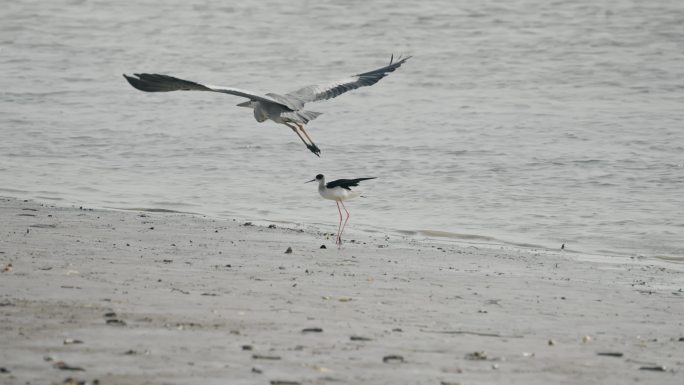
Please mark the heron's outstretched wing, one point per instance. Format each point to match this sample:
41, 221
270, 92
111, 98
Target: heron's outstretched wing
165, 83
327, 91
346, 183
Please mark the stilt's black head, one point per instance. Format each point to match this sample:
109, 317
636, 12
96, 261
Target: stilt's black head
318, 177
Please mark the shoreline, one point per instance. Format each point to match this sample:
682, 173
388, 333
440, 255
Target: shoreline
420, 235
166, 298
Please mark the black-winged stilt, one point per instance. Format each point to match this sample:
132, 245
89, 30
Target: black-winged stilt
338, 191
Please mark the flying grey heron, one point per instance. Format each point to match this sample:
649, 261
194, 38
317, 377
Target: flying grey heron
285, 109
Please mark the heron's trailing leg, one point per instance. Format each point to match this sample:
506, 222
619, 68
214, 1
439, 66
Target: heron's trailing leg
317, 150
313, 148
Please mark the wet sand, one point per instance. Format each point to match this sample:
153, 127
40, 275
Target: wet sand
120, 297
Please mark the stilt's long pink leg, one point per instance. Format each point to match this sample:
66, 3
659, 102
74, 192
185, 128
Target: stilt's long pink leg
338, 240
345, 221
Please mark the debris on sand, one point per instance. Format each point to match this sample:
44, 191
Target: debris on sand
657, 368
312, 330
475, 356
610, 354
61, 365
71, 341
393, 359
288, 251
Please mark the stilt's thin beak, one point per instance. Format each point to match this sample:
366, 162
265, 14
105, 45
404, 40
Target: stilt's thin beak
309, 181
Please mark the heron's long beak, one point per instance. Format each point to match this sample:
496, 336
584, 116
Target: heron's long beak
309, 181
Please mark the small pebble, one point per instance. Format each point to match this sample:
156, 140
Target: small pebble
393, 359
312, 330
288, 251
659, 368
323, 247
476, 356
552, 342
64, 366
359, 338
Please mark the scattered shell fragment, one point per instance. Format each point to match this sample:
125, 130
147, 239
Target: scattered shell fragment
263, 357
552, 342
474, 356
586, 339
8, 268
312, 330
657, 368
359, 338
64, 366
71, 341
393, 359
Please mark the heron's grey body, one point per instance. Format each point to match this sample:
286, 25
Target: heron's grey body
284, 109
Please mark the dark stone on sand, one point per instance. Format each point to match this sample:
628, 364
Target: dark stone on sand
476, 356
262, 357
257, 370
288, 251
658, 368
393, 359
312, 330
271, 226
359, 338
247, 347
323, 247
61, 365
4, 370
610, 354
279, 382
247, 224
116, 322
110, 314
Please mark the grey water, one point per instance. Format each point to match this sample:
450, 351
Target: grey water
516, 121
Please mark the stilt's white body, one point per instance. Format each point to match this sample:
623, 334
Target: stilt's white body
336, 193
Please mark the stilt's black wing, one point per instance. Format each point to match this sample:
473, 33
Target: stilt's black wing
346, 183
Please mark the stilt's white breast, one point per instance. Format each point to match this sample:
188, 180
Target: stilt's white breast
337, 193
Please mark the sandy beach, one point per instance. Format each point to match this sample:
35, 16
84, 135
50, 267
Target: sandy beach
132, 297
